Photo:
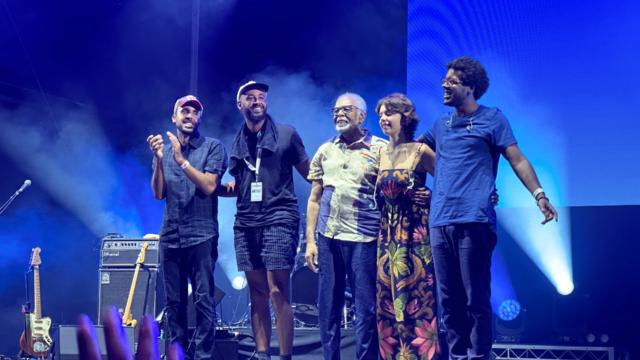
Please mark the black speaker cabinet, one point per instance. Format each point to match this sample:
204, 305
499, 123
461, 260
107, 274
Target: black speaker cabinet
114, 291
226, 350
67, 345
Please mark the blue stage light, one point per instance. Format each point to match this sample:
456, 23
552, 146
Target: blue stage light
502, 290
509, 309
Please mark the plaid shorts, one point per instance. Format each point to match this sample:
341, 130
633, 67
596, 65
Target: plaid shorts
271, 247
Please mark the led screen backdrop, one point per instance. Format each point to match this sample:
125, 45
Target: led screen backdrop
566, 75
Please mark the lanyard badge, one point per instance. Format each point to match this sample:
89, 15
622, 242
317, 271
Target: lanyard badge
256, 186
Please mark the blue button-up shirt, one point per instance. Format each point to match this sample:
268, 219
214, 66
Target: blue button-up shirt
190, 216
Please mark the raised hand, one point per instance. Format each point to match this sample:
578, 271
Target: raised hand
176, 148
156, 145
117, 343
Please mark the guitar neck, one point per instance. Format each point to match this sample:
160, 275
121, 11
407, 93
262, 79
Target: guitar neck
132, 289
37, 310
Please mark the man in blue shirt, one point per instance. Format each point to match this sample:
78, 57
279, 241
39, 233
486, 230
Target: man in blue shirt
266, 229
186, 173
468, 144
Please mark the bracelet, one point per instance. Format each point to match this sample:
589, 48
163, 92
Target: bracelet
537, 192
185, 165
540, 198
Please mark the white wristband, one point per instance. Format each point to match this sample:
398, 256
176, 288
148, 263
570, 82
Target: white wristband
537, 192
185, 165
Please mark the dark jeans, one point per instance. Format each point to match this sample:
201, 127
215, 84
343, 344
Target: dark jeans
337, 261
462, 261
195, 263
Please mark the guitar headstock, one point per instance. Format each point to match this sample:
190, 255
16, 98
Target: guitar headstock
35, 257
142, 253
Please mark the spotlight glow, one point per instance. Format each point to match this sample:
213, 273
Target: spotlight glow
239, 282
565, 287
548, 246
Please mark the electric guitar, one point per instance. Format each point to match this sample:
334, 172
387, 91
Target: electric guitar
127, 317
35, 340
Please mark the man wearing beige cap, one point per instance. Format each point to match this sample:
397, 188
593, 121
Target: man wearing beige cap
266, 232
186, 173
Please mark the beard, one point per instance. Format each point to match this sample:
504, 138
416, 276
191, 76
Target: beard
254, 118
343, 128
188, 130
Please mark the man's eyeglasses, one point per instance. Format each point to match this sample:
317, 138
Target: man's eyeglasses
450, 82
347, 109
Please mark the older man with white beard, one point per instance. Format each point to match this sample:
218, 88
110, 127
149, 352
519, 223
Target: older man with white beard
343, 225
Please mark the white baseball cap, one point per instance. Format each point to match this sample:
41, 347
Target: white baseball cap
250, 85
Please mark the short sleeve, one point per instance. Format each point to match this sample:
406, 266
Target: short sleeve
502, 134
297, 151
316, 172
216, 162
429, 137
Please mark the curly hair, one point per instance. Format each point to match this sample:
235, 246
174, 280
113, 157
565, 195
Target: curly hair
472, 74
400, 103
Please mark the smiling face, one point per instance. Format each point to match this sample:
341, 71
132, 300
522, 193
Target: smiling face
187, 119
390, 121
455, 92
253, 105
347, 116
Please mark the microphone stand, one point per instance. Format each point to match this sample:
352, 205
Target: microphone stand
8, 202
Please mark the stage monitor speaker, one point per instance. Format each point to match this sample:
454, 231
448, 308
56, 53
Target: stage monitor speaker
114, 291
67, 344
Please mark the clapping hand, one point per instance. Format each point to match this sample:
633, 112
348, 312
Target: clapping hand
156, 145
176, 148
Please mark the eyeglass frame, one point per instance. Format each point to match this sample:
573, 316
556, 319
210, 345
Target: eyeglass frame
449, 82
336, 110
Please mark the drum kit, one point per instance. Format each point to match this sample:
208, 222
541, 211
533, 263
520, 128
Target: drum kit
304, 295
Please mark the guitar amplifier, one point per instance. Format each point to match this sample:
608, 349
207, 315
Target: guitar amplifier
114, 291
120, 252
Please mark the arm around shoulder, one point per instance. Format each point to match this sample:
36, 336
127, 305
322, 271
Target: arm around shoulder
427, 159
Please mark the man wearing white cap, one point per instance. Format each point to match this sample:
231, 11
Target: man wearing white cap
266, 233
186, 173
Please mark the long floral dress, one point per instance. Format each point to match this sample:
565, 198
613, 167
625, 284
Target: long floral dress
405, 299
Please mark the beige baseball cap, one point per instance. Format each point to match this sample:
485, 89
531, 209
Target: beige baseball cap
250, 85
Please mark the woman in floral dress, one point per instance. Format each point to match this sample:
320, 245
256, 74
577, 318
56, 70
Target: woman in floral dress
405, 299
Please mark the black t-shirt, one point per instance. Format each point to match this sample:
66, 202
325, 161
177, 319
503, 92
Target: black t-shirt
281, 149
